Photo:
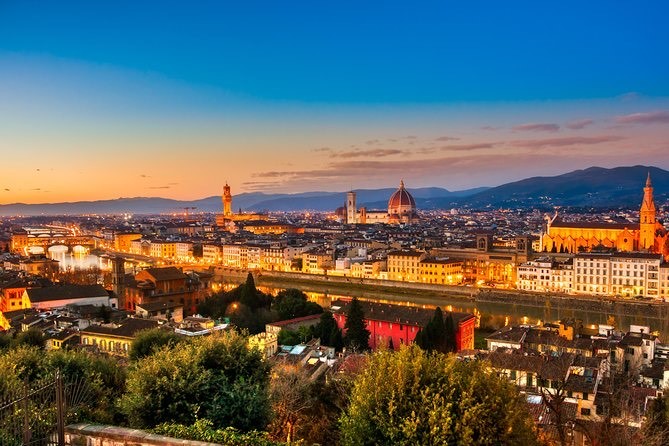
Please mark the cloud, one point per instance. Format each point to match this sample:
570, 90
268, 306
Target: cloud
158, 187
368, 153
372, 142
144, 176
7, 190
566, 141
468, 147
536, 127
490, 128
579, 124
656, 117
446, 138
173, 184
322, 149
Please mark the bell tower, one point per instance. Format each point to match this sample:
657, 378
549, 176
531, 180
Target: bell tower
227, 201
647, 218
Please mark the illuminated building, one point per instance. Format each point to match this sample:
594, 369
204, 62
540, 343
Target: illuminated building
401, 209
117, 339
228, 216
396, 325
122, 241
573, 237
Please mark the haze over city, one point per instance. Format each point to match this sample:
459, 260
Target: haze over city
100, 101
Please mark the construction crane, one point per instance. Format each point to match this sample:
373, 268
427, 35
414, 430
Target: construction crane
187, 208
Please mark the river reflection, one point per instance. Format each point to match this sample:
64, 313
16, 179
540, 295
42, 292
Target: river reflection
495, 315
75, 260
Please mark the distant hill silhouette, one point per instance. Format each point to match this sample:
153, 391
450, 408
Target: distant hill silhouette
595, 187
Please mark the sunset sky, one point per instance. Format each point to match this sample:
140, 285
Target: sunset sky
102, 99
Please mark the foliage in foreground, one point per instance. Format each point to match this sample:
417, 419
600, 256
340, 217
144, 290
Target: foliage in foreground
102, 378
216, 377
148, 341
412, 397
203, 430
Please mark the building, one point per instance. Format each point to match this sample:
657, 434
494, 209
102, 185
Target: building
546, 274
123, 240
166, 311
404, 265
401, 209
396, 325
167, 285
228, 216
490, 261
115, 339
267, 343
440, 271
60, 296
625, 274
648, 235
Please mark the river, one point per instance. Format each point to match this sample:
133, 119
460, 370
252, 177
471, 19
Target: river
495, 315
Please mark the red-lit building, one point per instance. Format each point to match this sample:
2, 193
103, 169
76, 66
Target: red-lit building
402, 324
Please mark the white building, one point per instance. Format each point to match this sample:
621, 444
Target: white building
635, 274
212, 253
546, 274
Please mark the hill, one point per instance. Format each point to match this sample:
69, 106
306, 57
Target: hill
592, 187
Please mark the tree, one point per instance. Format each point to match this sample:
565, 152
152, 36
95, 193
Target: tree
655, 429
438, 334
288, 337
328, 331
292, 400
357, 335
31, 338
216, 377
148, 341
292, 303
105, 314
433, 399
249, 293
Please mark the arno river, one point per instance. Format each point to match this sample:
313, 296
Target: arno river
494, 315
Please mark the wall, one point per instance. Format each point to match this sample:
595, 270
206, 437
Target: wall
100, 435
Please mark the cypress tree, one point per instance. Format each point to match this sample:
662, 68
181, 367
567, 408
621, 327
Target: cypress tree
449, 334
357, 335
249, 293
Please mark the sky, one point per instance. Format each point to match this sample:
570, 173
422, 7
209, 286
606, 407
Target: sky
103, 99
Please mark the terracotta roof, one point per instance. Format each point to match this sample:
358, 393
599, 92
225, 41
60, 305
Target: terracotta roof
167, 273
594, 225
60, 292
155, 306
580, 383
127, 329
548, 367
396, 313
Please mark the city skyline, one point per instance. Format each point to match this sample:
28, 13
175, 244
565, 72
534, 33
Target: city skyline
173, 102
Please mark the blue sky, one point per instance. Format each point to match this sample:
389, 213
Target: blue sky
176, 98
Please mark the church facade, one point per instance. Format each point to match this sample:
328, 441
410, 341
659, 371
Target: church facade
401, 210
649, 235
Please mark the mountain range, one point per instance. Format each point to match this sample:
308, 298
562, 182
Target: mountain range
592, 187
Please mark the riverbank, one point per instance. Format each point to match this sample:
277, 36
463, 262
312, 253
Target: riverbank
441, 295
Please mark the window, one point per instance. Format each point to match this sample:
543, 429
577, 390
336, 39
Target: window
585, 395
585, 411
629, 350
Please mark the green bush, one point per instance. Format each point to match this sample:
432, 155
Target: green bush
203, 430
216, 377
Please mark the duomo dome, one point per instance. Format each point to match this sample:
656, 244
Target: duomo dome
401, 202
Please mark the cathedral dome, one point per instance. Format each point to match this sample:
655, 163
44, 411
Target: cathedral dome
401, 202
